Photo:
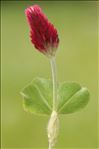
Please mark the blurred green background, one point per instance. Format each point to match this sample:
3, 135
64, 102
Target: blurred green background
77, 60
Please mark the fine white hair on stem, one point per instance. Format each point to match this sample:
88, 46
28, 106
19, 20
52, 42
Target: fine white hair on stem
53, 128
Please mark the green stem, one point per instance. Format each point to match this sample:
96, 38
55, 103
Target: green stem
53, 122
54, 78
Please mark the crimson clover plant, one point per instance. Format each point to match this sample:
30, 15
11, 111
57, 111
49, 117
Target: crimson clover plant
49, 97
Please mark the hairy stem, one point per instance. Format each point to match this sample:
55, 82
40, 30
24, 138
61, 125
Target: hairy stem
50, 146
53, 125
53, 128
54, 78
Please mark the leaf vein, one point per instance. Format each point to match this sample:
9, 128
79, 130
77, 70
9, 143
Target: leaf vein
43, 98
66, 103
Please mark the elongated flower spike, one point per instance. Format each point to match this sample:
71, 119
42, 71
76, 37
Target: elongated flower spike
43, 34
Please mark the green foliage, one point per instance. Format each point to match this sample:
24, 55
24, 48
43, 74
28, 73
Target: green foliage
38, 97
72, 97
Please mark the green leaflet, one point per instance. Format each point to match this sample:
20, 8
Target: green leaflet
38, 97
71, 98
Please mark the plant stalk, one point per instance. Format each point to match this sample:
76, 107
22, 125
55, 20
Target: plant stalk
53, 125
54, 79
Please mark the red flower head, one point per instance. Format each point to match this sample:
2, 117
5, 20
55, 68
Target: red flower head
43, 34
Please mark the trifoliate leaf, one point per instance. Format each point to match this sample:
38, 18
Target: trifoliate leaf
38, 99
